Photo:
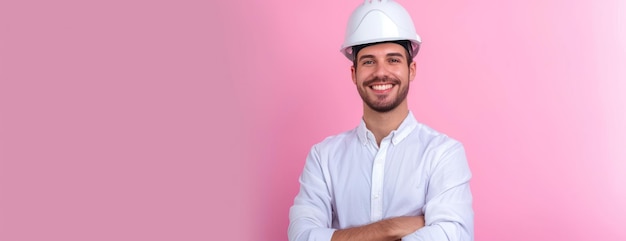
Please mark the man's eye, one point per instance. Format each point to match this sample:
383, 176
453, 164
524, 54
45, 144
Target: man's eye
368, 62
394, 60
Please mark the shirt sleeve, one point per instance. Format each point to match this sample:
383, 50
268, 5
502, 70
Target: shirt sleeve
448, 210
310, 217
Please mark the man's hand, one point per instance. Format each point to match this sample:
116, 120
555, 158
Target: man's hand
386, 230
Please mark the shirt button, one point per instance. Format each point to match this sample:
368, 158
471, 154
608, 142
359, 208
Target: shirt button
376, 196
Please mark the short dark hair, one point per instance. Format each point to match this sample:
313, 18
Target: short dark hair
404, 43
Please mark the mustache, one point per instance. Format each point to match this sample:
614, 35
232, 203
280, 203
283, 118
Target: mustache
381, 80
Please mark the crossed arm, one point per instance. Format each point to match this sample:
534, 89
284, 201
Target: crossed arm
384, 230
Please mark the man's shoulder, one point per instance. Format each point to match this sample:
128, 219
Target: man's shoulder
432, 138
338, 140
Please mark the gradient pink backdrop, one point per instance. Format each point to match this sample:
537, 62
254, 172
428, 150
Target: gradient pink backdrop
191, 120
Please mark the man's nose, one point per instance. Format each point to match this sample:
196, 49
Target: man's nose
381, 71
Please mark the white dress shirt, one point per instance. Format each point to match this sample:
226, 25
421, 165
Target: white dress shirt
349, 181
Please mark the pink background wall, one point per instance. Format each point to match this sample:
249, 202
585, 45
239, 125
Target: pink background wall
191, 120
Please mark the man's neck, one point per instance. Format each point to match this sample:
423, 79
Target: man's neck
381, 124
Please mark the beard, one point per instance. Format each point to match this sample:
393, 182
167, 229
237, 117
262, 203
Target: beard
379, 103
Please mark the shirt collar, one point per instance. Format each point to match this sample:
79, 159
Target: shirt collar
406, 127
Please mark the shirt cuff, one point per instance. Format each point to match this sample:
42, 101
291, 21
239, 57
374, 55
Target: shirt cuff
427, 233
321, 234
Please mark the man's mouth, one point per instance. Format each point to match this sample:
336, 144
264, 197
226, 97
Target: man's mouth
382, 86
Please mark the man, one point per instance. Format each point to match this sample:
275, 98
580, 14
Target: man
390, 178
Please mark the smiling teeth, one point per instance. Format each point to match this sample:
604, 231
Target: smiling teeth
382, 87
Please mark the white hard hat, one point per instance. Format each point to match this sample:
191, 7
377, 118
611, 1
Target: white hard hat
379, 21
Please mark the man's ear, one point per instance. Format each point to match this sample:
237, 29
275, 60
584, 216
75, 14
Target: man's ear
353, 71
412, 68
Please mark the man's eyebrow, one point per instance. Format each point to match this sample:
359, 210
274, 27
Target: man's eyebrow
366, 56
395, 54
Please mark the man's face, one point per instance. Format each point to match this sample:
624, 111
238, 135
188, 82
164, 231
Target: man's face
382, 76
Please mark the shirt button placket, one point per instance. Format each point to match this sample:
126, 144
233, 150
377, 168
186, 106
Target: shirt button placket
378, 174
